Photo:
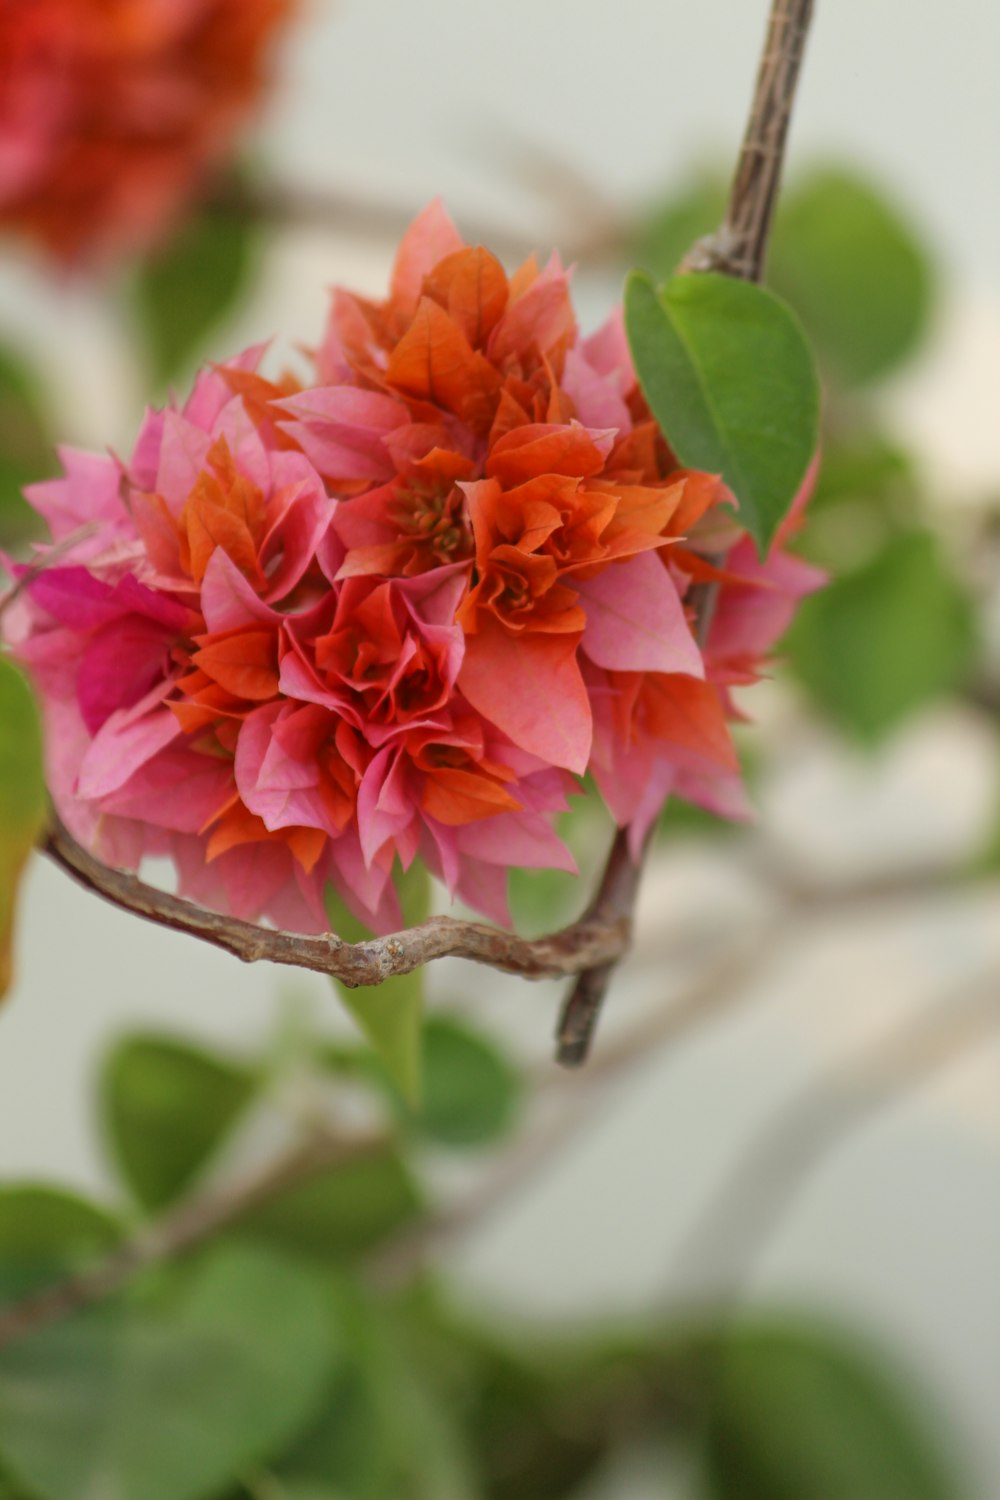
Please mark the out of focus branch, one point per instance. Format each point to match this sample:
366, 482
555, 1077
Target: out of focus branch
780, 1157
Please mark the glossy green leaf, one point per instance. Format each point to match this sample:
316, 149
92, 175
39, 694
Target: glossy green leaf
390, 1014
23, 806
731, 380
173, 1397
882, 641
795, 1415
471, 1089
855, 272
167, 1106
25, 445
341, 1214
187, 288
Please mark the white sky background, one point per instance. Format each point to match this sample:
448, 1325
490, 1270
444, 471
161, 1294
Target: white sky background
402, 99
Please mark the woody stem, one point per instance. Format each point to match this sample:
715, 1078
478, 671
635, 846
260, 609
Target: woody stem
738, 248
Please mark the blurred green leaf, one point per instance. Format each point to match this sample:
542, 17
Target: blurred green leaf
864, 466
45, 1232
389, 1014
669, 231
882, 641
25, 445
471, 1090
23, 806
854, 270
167, 1106
730, 378
173, 1397
793, 1414
386, 1428
341, 1214
186, 289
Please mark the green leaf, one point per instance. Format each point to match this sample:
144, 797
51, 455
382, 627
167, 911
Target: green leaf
341, 1214
167, 1106
25, 446
174, 1397
855, 272
730, 378
796, 1415
387, 1428
471, 1090
45, 1232
185, 290
881, 642
23, 807
389, 1014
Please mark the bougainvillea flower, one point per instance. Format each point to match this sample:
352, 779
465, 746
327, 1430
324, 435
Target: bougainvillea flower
316, 629
113, 113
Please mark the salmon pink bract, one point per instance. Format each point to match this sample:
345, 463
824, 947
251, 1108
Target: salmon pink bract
309, 631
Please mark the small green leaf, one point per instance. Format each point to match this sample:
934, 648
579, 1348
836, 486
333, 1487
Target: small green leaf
882, 641
167, 1106
185, 290
173, 1397
23, 807
731, 380
854, 271
390, 1014
471, 1090
796, 1415
339, 1215
25, 446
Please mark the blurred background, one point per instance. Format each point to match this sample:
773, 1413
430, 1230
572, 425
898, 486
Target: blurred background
792, 1115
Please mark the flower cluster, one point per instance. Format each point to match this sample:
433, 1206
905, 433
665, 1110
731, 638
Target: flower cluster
308, 631
112, 112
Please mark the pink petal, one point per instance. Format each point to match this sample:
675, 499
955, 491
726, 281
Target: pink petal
635, 620
121, 663
89, 493
596, 397
428, 240
122, 745
531, 688
182, 457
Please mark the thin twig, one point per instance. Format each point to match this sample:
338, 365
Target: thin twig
739, 249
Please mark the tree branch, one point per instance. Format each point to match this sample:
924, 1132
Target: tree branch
599, 937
